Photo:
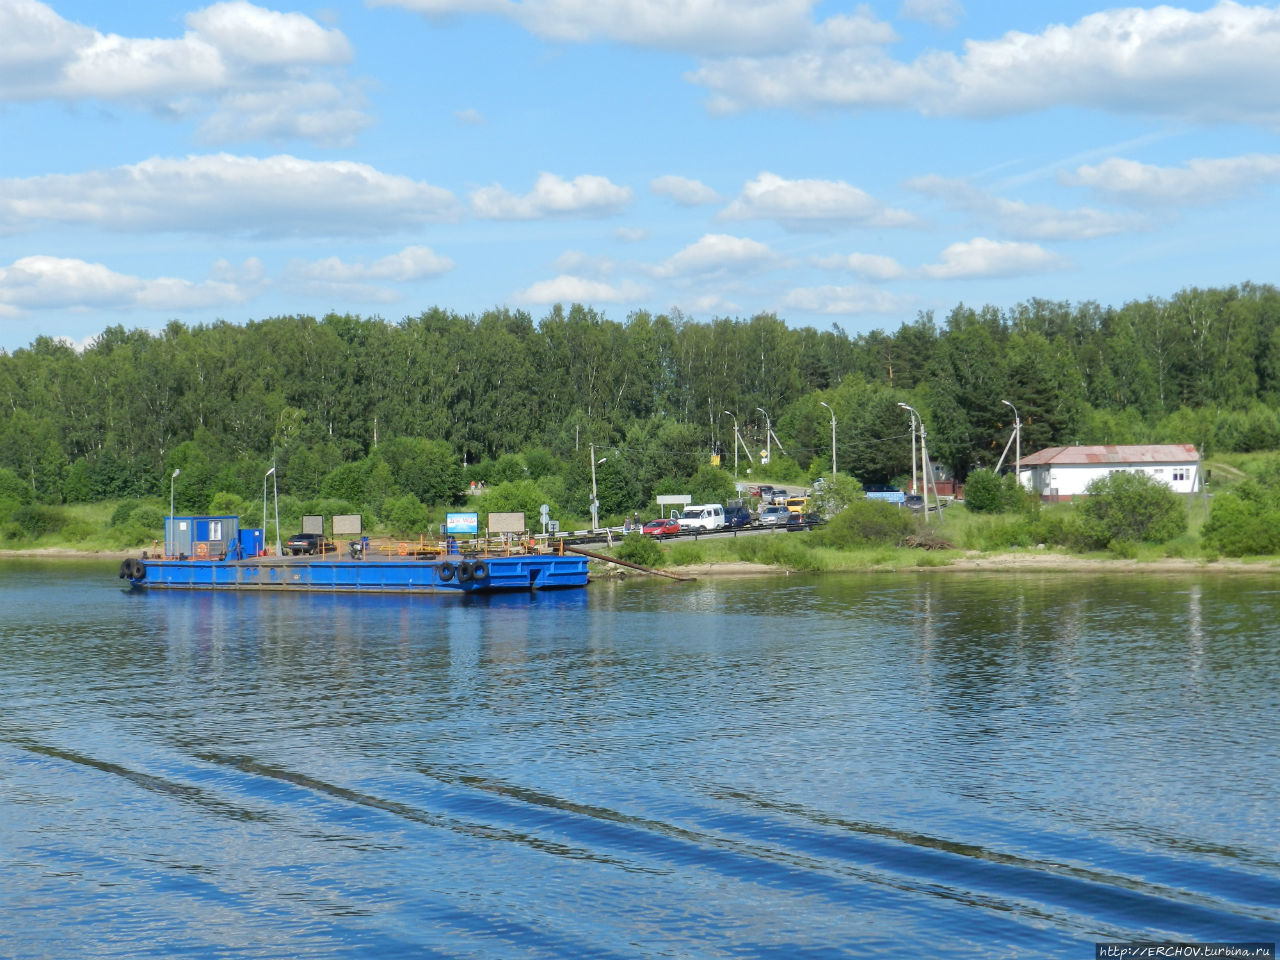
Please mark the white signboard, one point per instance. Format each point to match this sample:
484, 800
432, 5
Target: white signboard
506, 523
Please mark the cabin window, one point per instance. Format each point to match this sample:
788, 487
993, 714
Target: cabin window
215, 529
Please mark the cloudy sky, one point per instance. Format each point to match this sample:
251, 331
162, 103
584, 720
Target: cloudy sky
831, 162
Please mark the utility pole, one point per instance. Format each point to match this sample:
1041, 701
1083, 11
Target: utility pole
924, 459
833, 436
914, 482
738, 441
1017, 433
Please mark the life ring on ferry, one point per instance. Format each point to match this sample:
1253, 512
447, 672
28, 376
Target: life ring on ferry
403, 550
466, 570
446, 571
479, 570
202, 551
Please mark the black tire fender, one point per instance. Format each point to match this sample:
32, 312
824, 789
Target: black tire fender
446, 571
480, 570
466, 570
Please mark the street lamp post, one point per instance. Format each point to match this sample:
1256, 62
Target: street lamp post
833, 436
595, 500
168, 529
924, 460
1017, 433
269, 473
768, 436
275, 493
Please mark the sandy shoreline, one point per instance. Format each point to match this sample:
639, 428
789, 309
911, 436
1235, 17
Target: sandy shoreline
1041, 561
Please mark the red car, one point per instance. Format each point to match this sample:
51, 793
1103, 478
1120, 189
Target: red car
662, 528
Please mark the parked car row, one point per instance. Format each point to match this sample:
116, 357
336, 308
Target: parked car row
701, 518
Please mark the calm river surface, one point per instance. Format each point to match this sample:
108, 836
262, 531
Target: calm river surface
950, 765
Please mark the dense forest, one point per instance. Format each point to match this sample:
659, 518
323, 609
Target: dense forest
362, 409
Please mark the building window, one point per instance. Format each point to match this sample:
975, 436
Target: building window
215, 529
1179, 474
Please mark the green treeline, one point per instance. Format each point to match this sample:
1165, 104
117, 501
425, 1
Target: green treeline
363, 410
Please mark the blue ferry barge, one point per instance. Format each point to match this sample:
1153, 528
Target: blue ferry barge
231, 559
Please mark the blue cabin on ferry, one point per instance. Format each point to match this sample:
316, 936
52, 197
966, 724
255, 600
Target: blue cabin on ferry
200, 537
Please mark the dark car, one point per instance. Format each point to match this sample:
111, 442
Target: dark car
805, 521
308, 543
662, 527
737, 516
913, 501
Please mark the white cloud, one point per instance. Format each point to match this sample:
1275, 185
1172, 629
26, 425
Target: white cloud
709, 303
235, 59
686, 192
631, 234
981, 257
707, 27
811, 204
1216, 65
869, 266
844, 300
718, 253
552, 196
469, 117
43, 282
319, 112
577, 262
570, 289
1024, 220
252, 34
1203, 180
410, 264
225, 194
938, 13
365, 280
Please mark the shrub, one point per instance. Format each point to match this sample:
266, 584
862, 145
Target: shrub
836, 494
147, 517
779, 550
865, 522
123, 511
638, 548
405, 514
1242, 523
36, 520
130, 534
12, 487
223, 504
1131, 506
987, 492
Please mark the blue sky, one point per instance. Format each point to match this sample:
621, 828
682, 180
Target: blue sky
833, 163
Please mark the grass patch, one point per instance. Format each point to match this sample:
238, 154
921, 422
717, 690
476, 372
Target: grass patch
686, 554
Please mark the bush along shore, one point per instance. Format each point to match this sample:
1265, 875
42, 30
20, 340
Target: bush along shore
1127, 517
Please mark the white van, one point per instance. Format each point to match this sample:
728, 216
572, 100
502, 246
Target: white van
705, 516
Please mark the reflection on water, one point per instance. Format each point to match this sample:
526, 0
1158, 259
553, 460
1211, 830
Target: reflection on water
944, 765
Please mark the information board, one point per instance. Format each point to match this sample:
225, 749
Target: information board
507, 523
455, 523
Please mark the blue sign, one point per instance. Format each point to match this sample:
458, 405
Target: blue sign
889, 496
455, 523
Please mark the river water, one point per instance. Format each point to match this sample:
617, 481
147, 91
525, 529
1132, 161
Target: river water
947, 764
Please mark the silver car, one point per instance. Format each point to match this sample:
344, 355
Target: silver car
776, 515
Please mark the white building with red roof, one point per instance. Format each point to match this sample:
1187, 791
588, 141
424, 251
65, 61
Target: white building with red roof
1060, 473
